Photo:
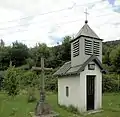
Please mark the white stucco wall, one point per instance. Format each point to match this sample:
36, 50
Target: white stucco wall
77, 89
73, 82
98, 88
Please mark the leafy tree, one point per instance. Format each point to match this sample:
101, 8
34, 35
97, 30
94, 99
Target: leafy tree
2, 43
115, 58
4, 57
40, 50
19, 53
59, 54
66, 50
106, 58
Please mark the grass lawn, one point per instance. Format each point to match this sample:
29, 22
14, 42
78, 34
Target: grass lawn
111, 106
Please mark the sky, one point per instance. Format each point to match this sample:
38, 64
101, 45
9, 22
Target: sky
49, 21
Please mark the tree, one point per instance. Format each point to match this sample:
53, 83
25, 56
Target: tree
115, 58
40, 50
4, 57
66, 49
19, 54
2, 43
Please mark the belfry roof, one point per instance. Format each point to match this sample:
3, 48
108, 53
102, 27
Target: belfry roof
86, 31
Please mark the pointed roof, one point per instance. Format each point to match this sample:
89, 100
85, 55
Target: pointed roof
86, 31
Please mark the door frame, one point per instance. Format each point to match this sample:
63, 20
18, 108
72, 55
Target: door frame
93, 92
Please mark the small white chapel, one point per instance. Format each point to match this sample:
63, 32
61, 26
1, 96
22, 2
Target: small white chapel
80, 80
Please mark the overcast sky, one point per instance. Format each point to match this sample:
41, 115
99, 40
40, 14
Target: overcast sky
48, 21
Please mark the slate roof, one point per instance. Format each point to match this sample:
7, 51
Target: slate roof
66, 69
86, 31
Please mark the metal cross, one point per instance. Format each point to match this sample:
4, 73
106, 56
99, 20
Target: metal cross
86, 13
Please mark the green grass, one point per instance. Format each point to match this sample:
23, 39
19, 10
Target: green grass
19, 106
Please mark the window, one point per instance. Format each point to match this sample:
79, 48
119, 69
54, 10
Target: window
96, 48
67, 91
76, 48
91, 66
88, 47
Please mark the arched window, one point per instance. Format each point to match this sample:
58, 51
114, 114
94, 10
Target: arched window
67, 91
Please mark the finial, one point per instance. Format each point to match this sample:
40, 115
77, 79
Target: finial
86, 13
86, 21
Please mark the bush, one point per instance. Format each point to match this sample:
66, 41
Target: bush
1, 79
29, 78
110, 83
31, 94
51, 83
12, 81
70, 108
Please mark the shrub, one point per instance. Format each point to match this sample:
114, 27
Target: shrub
29, 78
31, 94
73, 109
1, 79
70, 108
110, 83
12, 81
51, 83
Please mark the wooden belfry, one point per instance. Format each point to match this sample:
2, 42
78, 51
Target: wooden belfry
42, 108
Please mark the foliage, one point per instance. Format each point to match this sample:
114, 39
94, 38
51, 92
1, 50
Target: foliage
55, 56
40, 50
110, 83
4, 57
66, 48
70, 108
1, 79
31, 94
19, 53
115, 58
12, 81
30, 62
24, 58
51, 83
29, 78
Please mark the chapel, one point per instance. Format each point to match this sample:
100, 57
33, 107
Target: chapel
80, 80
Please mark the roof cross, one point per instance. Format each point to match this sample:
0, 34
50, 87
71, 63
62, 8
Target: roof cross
86, 13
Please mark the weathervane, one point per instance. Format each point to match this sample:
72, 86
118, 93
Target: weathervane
86, 13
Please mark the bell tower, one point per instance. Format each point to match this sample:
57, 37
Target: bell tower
85, 44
